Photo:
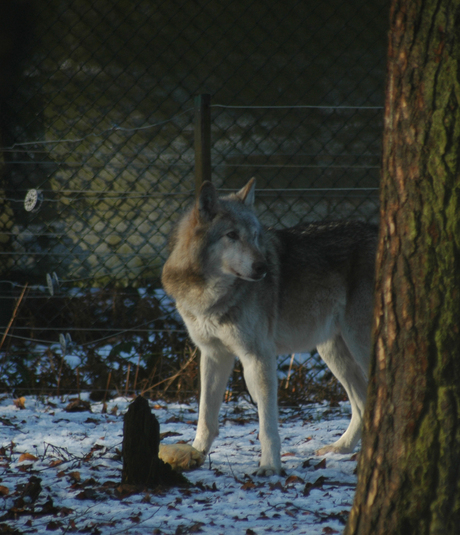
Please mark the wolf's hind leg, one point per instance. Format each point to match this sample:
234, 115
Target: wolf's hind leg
215, 369
342, 364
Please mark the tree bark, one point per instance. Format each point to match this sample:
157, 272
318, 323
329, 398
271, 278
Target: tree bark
409, 469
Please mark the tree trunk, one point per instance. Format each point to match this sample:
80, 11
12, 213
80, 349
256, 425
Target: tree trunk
409, 469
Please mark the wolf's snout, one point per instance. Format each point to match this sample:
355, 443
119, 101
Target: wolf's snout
259, 270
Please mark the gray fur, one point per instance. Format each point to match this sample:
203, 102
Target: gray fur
254, 292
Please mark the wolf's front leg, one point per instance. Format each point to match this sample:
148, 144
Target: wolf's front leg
262, 383
215, 370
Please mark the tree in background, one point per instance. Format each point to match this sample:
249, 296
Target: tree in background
409, 469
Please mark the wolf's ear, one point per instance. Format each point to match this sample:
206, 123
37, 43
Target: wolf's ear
248, 193
206, 202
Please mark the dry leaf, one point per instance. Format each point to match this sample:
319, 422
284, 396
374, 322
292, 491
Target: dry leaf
53, 525
321, 465
27, 457
78, 405
4, 491
277, 486
316, 485
293, 479
75, 476
57, 462
248, 485
20, 403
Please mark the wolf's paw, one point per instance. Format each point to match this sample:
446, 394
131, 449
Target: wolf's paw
332, 448
181, 456
267, 471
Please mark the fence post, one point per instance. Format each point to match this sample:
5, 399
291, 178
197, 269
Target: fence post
202, 140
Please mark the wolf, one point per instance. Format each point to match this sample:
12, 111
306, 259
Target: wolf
247, 291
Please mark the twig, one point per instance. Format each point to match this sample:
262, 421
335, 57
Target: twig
137, 373
231, 470
13, 317
78, 382
169, 380
107, 387
59, 376
289, 371
127, 380
129, 529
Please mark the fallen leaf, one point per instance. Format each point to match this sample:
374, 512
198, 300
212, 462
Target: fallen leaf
49, 508
32, 488
75, 476
277, 486
20, 403
316, 485
27, 457
86, 494
4, 491
321, 465
195, 528
56, 462
78, 405
168, 434
124, 490
248, 485
293, 479
53, 525
146, 498
92, 421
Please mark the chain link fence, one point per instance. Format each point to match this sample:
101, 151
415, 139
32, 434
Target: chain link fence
97, 161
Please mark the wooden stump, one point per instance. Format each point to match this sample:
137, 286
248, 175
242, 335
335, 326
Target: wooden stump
141, 442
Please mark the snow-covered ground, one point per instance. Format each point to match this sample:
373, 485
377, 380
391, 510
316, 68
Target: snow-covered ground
60, 472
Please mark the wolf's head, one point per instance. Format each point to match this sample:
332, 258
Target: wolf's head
233, 236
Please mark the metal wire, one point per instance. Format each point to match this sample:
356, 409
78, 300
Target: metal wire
297, 100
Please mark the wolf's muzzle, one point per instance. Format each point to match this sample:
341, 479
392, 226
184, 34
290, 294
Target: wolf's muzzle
259, 270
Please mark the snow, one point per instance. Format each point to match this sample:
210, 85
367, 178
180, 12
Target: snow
76, 455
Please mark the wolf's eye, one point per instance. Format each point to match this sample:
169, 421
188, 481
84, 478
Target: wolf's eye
232, 235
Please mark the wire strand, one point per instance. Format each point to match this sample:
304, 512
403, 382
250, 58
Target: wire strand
114, 128
302, 106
